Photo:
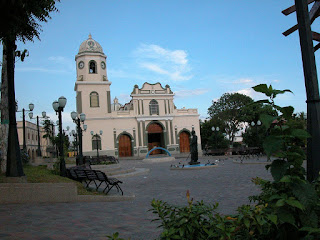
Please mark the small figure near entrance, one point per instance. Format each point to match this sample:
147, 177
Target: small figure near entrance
194, 149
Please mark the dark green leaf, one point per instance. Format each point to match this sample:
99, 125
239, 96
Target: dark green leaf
267, 119
300, 133
272, 144
263, 89
278, 169
273, 218
287, 112
295, 203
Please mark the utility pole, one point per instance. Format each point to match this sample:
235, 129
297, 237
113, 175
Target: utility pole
305, 19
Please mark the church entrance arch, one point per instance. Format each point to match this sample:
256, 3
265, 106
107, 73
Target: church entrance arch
125, 148
155, 137
184, 141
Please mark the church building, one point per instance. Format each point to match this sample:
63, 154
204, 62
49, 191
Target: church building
149, 120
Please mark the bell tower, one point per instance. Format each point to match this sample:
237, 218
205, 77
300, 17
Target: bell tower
92, 85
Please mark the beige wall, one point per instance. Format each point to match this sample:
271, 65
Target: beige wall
32, 139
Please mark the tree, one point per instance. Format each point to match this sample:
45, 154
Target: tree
255, 135
233, 110
20, 18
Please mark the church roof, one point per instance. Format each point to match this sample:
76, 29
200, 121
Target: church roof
90, 45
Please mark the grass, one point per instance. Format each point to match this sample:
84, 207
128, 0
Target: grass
40, 174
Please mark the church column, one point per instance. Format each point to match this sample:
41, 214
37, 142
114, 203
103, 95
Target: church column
176, 134
115, 138
142, 108
139, 133
166, 134
165, 107
134, 138
144, 133
171, 132
109, 101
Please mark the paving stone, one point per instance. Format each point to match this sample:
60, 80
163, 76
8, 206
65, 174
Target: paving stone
229, 184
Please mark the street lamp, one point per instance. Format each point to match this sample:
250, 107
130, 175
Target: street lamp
75, 141
256, 124
78, 120
31, 107
215, 130
44, 115
58, 106
97, 138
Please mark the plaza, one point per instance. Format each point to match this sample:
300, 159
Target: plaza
229, 184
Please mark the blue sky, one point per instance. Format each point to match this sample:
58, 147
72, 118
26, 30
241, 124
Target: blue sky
202, 49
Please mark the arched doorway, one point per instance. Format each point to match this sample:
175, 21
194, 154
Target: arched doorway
155, 138
125, 148
33, 154
184, 142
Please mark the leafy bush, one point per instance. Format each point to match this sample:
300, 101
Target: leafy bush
25, 157
287, 208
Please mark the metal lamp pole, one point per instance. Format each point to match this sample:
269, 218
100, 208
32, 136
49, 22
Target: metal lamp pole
31, 107
44, 115
58, 106
78, 120
97, 137
215, 130
254, 124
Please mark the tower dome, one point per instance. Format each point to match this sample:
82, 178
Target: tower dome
90, 46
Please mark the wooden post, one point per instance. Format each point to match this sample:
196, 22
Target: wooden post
312, 89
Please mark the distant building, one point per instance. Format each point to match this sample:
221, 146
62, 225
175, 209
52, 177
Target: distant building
32, 140
150, 119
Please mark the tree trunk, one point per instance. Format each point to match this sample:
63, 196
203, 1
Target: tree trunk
14, 163
4, 108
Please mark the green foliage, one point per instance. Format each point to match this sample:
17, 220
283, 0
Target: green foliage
25, 157
287, 207
22, 17
115, 236
232, 109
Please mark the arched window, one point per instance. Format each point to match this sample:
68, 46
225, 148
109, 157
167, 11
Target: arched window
96, 142
154, 107
94, 99
92, 67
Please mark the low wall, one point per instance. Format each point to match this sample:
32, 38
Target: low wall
37, 192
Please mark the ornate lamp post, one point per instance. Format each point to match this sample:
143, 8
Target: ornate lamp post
44, 115
75, 141
215, 130
78, 120
97, 138
258, 123
58, 106
31, 107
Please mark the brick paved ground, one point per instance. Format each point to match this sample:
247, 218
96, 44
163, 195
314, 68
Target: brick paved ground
229, 184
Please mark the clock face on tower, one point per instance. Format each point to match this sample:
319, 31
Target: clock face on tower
103, 65
81, 64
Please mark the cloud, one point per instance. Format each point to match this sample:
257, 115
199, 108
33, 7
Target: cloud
55, 68
39, 69
251, 93
155, 68
246, 81
60, 60
124, 98
190, 93
170, 63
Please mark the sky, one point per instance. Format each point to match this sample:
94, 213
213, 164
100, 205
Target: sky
201, 49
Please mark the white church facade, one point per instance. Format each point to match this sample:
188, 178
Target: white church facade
149, 120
